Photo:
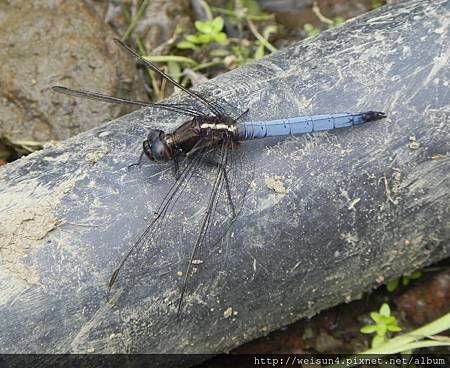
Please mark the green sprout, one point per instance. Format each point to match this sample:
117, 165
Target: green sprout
263, 43
374, 4
423, 337
406, 279
337, 21
384, 323
310, 30
208, 32
211, 47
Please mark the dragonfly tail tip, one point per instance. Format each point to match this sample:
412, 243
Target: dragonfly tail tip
374, 115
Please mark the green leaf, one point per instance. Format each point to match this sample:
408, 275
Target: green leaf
204, 39
259, 53
310, 30
174, 70
374, 4
268, 30
375, 316
203, 27
338, 20
217, 24
192, 38
368, 329
252, 7
394, 328
392, 285
391, 320
186, 45
385, 310
221, 38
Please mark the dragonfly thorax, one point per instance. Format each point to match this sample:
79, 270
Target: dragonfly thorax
199, 132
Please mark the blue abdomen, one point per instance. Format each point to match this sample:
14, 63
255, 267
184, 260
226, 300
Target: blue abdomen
303, 124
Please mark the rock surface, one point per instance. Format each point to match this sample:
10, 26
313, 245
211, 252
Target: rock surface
43, 43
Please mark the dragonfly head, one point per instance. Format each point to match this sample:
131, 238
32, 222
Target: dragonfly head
156, 147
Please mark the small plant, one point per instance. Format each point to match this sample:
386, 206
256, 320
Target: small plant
423, 337
213, 46
209, 49
310, 30
263, 43
337, 21
242, 52
384, 323
208, 32
374, 4
405, 279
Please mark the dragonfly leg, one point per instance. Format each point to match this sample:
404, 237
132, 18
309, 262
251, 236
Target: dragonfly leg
243, 114
227, 183
138, 163
230, 200
176, 168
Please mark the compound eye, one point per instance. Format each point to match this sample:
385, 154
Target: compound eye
155, 147
159, 151
155, 134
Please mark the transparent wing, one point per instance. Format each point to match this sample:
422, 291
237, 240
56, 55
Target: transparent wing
153, 234
197, 211
230, 180
181, 108
215, 108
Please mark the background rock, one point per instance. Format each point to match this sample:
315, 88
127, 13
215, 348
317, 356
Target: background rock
43, 43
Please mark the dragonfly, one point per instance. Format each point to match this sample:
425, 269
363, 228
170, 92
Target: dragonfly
206, 144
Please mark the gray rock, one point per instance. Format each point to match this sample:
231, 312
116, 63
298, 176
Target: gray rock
43, 43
